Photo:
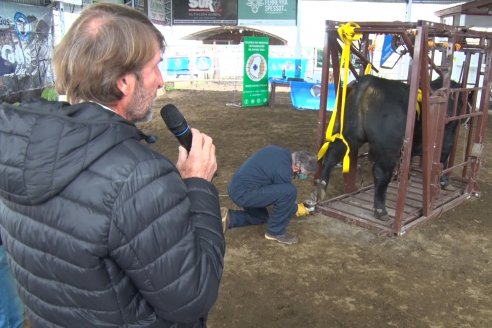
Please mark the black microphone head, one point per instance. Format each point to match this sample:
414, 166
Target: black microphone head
177, 124
173, 118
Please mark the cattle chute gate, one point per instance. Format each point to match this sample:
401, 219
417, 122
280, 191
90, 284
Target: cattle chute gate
415, 195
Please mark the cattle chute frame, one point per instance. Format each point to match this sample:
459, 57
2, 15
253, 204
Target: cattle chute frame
414, 200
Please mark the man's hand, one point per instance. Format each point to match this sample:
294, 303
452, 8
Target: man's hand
201, 161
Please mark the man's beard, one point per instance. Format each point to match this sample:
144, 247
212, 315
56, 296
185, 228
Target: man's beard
140, 108
148, 117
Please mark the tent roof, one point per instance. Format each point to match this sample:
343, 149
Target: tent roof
477, 7
232, 35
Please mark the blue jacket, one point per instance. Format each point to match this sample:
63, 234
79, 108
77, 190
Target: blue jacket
268, 166
101, 231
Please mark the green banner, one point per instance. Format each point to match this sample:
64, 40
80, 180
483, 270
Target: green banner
267, 12
255, 77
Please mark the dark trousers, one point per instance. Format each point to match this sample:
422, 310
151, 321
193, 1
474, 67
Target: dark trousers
11, 308
282, 198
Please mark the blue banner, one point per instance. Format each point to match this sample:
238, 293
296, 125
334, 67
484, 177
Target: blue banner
307, 95
387, 50
287, 67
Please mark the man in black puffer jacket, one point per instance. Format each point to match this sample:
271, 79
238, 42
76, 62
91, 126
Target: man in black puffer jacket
100, 230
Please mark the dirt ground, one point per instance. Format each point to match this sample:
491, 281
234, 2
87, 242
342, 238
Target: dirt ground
439, 275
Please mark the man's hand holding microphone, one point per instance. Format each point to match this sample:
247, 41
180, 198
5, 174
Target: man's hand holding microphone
200, 162
196, 156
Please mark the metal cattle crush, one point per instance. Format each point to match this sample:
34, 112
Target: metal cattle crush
415, 195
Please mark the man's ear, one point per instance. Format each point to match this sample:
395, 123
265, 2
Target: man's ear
126, 83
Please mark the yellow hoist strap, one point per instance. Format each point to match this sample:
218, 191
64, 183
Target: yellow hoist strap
347, 35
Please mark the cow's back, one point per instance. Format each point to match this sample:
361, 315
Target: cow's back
376, 113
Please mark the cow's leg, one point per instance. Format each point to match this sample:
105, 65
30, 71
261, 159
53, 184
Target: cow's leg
444, 180
382, 172
333, 156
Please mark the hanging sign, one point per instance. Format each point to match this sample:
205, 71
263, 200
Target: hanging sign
387, 50
204, 12
267, 12
255, 77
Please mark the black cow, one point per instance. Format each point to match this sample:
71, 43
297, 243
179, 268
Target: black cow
376, 112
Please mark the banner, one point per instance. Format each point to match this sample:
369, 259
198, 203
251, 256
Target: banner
204, 12
189, 65
157, 12
255, 77
387, 50
267, 12
26, 42
307, 95
139, 5
287, 67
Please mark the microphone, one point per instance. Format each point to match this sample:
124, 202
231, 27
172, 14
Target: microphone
177, 124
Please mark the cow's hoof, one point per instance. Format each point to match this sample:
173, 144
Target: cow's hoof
320, 191
449, 187
314, 195
444, 182
381, 214
446, 185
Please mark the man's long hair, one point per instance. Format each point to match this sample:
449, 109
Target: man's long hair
104, 43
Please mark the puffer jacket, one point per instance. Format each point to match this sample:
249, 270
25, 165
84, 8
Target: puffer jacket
101, 231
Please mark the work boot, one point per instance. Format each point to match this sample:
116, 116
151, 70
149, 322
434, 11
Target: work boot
224, 213
285, 238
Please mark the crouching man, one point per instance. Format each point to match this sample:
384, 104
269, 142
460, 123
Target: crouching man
265, 180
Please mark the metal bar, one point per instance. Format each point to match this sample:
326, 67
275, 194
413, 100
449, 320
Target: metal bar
471, 122
407, 142
481, 123
363, 57
462, 164
325, 72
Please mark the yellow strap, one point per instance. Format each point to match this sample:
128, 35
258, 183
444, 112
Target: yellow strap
368, 69
419, 100
347, 34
